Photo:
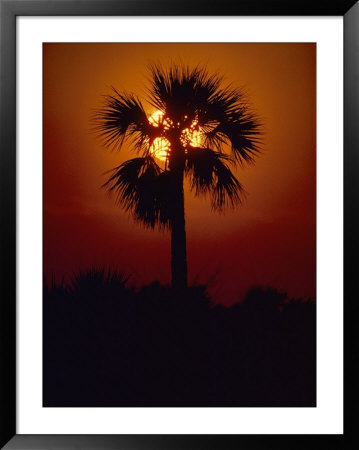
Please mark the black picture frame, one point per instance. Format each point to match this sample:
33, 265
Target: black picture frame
9, 10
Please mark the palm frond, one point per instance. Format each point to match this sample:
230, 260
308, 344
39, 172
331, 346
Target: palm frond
227, 191
181, 91
121, 117
230, 121
142, 188
209, 173
222, 113
242, 132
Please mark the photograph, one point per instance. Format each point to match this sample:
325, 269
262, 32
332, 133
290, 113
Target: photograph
179, 224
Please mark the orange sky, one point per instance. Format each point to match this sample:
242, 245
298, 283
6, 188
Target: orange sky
270, 239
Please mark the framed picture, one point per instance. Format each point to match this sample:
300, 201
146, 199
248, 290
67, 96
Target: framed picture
173, 184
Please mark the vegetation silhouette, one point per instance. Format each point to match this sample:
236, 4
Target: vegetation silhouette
207, 129
106, 343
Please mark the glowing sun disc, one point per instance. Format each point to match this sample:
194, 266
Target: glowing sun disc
161, 146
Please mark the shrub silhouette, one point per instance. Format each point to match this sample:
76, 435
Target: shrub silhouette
116, 346
99, 281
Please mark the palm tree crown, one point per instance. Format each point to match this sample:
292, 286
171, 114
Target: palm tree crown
188, 101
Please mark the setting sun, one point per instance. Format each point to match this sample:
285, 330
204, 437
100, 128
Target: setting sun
160, 148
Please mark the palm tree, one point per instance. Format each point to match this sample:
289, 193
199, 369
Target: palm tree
189, 102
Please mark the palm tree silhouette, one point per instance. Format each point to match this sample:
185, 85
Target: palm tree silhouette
189, 103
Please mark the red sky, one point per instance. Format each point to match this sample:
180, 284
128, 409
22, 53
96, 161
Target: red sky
269, 240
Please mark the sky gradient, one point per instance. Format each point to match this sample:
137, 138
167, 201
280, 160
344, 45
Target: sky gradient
269, 240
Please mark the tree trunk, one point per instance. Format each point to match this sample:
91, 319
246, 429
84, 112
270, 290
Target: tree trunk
178, 232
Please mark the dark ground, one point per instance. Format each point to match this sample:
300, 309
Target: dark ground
108, 345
